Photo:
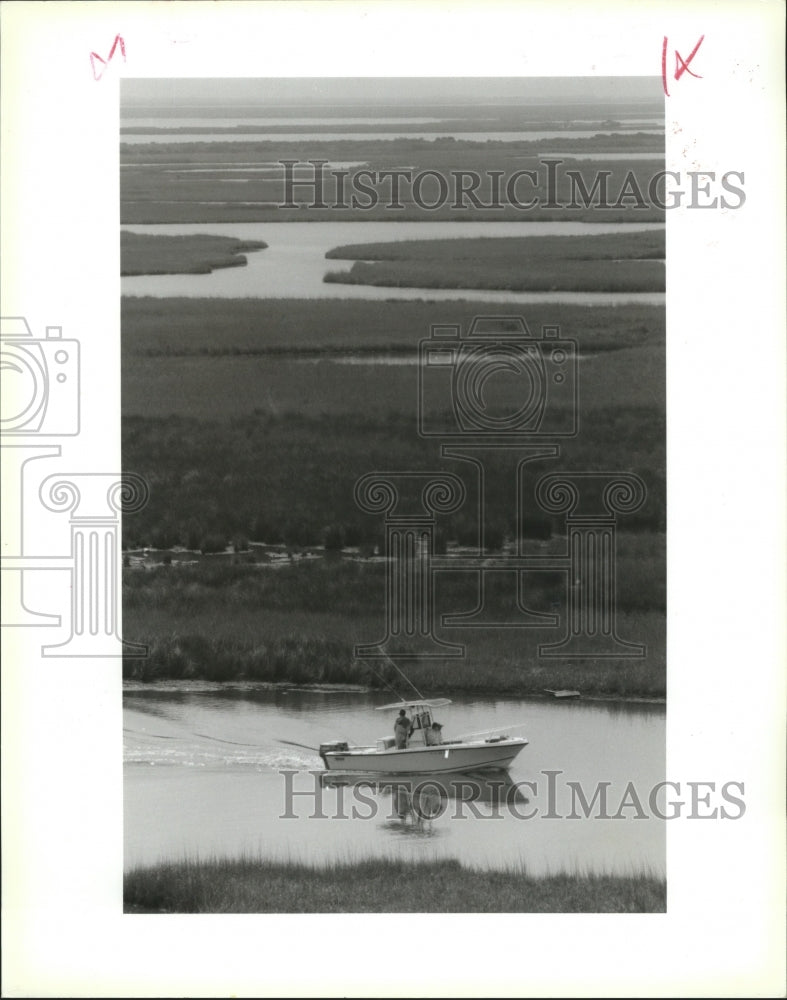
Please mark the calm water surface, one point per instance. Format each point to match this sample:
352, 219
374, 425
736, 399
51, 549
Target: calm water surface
129, 138
230, 121
294, 264
203, 777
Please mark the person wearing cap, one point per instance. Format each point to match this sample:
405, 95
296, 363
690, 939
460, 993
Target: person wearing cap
402, 728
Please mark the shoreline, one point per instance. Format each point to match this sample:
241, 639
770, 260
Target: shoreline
203, 686
373, 885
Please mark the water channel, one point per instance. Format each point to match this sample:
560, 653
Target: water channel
207, 773
294, 264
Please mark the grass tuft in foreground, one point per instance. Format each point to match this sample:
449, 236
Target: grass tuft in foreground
380, 886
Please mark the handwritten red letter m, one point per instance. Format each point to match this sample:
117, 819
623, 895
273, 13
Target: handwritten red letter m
95, 59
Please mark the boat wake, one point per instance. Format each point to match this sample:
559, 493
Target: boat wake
204, 750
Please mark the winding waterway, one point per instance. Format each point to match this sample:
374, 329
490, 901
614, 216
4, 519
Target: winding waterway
294, 265
208, 773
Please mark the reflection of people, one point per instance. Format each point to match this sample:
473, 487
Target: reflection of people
402, 802
434, 734
401, 729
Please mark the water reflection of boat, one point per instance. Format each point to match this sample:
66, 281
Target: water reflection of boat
425, 751
426, 796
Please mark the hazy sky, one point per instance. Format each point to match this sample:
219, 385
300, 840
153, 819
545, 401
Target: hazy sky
410, 91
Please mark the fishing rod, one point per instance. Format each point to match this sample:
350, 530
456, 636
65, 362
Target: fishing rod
497, 729
234, 743
404, 676
380, 677
389, 686
218, 739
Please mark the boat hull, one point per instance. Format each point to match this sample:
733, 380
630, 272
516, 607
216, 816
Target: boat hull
443, 758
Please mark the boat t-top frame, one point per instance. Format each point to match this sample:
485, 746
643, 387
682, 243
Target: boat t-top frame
421, 721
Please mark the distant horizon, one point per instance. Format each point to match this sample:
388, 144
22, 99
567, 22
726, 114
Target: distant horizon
390, 91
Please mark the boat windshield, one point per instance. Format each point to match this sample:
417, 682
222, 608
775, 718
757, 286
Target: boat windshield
422, 720
425, 730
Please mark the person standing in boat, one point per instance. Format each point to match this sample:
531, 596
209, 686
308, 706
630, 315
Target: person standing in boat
402, 728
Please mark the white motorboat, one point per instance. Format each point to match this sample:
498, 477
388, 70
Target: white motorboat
425, 750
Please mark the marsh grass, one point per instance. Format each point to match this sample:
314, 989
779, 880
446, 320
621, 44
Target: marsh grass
281, 466
194, 254
211, 327
299, 623
608, 263
289, 478
524, 276
380, 886
640, 245
221, 643
153, 192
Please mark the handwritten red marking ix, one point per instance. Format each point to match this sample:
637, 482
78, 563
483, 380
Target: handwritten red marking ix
95, 59
681, 64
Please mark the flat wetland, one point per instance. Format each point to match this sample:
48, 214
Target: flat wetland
252, 434
252, 566
209, 181
251, 420
298, 625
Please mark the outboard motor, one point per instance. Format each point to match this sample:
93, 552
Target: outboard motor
335, 747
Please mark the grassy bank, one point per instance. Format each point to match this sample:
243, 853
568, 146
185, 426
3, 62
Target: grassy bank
300, 626
376, 886
196, 254
608, 263
645, 245
499, 663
